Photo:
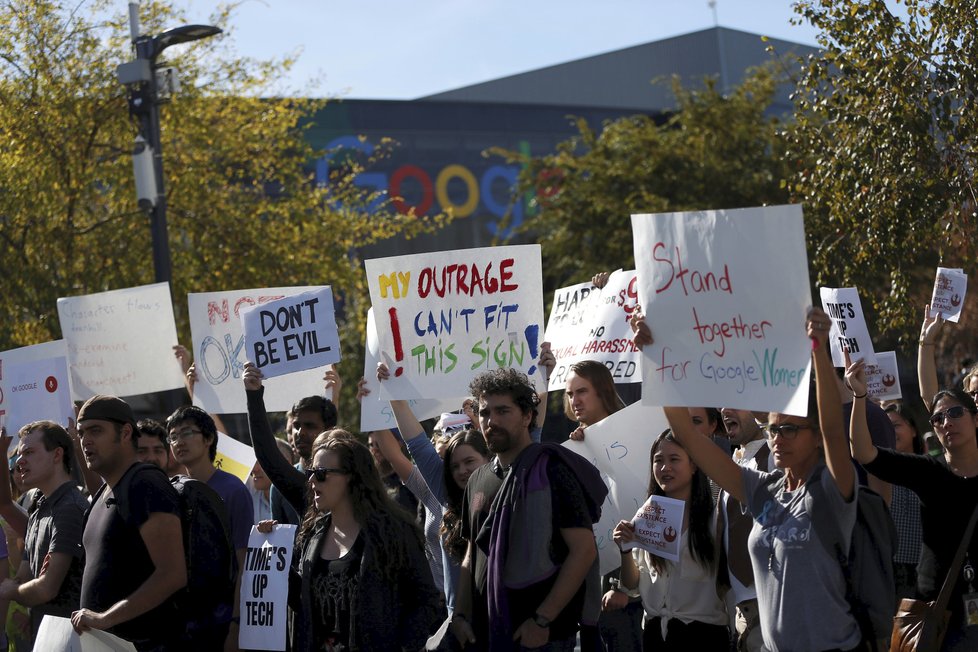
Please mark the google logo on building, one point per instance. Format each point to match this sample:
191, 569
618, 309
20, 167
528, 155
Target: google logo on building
488, 194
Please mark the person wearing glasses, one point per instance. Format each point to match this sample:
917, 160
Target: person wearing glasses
948, 491
192, 435
360, 568
801, 590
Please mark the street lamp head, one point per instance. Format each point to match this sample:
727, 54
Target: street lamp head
182, 34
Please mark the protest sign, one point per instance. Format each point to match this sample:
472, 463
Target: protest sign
849, 333
658, 527
375, 411
591, 324
947, 300
56, 634
618, 446
234, 457
883, 378
292, 334
26, 354
121, 342
725, 294
443, 318
220, 354
265, 589
34, 390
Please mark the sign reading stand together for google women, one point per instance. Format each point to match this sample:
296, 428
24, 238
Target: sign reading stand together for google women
121, 342
725, 293
445, 317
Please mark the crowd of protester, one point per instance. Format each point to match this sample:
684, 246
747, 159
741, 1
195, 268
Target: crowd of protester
476, 535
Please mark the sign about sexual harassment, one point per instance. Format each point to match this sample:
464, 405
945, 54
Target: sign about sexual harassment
587, 323
445, 317
726, 294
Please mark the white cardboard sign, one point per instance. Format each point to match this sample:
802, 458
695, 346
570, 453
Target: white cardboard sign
950, 288
57, 635
234, 457
618, 446
292, 334
445, 317
849, 333
588, 323
121, 342
265, 589
34, 390
725, 293
27, 354
220, 354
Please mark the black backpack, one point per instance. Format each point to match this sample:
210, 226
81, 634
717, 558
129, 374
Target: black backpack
209, 552
868, 566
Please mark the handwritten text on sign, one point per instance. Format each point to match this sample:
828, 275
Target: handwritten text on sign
292, 334
588, 323
121, 342
849, 333
265, 589
725, 294
445, 317
220, 353
376, 413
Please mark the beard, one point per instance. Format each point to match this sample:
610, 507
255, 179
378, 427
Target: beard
499, 440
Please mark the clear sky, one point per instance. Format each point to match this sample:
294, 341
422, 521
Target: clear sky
403, 49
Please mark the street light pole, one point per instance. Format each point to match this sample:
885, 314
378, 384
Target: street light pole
140, 76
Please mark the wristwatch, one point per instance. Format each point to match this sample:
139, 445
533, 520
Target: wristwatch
541, 621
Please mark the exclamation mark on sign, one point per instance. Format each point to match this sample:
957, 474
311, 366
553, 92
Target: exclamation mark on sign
532, 334
398, 347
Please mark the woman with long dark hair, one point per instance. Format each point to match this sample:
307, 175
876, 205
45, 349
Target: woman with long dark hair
682, 608
948, 493
363, 580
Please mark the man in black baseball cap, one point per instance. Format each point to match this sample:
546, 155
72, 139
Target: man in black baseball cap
133, 541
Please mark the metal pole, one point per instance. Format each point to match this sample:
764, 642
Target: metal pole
150, 130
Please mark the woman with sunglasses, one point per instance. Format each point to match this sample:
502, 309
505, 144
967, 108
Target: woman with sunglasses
948, 493
363, 580
801, 591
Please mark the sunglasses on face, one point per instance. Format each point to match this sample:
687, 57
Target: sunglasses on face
787, 430
938, 418
322, 472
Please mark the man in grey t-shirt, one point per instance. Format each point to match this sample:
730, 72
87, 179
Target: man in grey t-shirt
49, 578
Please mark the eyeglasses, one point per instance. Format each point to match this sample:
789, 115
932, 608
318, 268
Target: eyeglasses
956, 412
187, 433
787, 430
322, 472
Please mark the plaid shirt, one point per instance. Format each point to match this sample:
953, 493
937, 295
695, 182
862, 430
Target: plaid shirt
905, 509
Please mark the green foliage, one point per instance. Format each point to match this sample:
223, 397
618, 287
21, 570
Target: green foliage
243, 211
714, 151
886, 123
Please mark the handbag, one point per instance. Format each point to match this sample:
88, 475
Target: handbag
920, 626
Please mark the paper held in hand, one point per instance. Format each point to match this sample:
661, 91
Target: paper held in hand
658, 527
950, 286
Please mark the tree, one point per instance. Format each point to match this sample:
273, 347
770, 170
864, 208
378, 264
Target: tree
886, 131
243, 211
713, 151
